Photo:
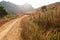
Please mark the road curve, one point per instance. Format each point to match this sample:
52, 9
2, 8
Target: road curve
10, 25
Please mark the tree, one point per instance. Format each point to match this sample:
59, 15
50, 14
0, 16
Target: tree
44, 8
2, 12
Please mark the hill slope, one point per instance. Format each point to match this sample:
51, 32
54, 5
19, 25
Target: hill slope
44, 24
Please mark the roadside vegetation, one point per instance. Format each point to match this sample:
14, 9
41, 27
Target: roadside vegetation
43, 25
4, 16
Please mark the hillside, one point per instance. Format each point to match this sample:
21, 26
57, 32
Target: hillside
43, 23
13, 8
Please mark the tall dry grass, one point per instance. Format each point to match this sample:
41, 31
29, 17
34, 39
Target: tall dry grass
44, 25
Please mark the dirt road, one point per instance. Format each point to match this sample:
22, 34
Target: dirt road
12, 30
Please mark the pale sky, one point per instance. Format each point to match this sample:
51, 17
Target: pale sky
34, 3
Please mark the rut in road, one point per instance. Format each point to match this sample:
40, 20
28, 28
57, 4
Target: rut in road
12, 30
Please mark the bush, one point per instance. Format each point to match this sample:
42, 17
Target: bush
44, 8
2, 12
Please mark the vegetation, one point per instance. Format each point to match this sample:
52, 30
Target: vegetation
5, 17
44, 25
2, 12
44, 8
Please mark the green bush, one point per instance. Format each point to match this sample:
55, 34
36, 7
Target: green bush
2, 12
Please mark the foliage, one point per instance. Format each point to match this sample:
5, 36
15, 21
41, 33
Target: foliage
54, 35
2, 12
44, 8
44, 25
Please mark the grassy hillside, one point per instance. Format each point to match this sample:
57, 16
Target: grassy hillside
44, 24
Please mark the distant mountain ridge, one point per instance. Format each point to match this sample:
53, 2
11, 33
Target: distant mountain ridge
13, 8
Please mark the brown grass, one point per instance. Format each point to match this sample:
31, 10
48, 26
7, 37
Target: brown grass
43, 25
3, 21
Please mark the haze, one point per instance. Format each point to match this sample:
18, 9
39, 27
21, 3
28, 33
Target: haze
34, 3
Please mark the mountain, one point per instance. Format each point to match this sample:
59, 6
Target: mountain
13, 8
27, 7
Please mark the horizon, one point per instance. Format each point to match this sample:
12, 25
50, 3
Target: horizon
34, 3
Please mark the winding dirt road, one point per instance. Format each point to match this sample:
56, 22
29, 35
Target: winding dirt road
12, 30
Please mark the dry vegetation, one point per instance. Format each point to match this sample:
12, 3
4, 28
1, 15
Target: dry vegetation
4, 20
43, 25
7, 18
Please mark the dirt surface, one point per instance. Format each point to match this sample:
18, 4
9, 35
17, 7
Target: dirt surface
12, 30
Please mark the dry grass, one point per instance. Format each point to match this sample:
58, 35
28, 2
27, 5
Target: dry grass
3, 21
42, 25
7, 18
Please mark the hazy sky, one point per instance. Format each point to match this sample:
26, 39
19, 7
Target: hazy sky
34, 3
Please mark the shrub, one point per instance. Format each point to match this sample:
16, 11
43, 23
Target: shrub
2, 12
44, 8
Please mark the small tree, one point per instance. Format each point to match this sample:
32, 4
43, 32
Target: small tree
2, 12
44, 8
